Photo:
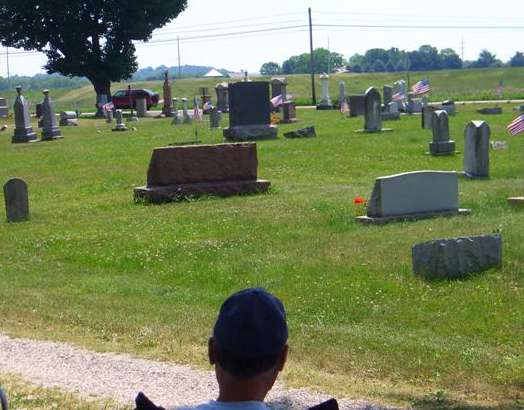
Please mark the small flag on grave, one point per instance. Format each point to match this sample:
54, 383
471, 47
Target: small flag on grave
517, 125
344, 107
277, 101
421, 88
196, 111
398, 97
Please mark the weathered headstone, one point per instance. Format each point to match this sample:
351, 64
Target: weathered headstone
222, 170
214, 117
249, 112
109, 116
186, 118
16, 200
373, 112
68, 118
400, 89
413, 195
476, 149
308, 132
356, 105
141, 107
288, 113
279, 87
222, 97
120, 126
441, 144
167, 108
325, 100
4, 109
50, 130
458, 257
427, 117
177, 119
388, 95
449, 107
341, 93
23, 130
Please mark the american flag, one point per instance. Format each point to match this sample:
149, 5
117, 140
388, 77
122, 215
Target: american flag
277, 101
399, 97
517, 125
196, 111
421, 88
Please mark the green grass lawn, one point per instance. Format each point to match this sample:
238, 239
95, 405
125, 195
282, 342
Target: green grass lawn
467, 85
93, 268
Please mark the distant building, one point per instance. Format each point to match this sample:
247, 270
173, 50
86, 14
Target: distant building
213, 73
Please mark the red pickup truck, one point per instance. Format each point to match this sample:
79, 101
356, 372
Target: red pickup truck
121, 98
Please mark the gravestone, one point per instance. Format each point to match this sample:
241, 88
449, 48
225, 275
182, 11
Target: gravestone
373, 112
222, 97
476, 149
177, 119
50, 130
400, 87
388, 95
413, 195
308, 132
120, 126
167, 108
4, 109
186, 118
457, 258
490, 111
214, 117
141, 107
23, 130
279, 87
109, 116
341, 93
205, 97
288, 113
249, 112
356, 105
441, 144
68, 118
393, 107
449, 107
325, 100
427, 117
16, 200
179, 172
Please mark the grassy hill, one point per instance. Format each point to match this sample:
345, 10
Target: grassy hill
473, 84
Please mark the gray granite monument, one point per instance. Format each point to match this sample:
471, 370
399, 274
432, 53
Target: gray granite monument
373, 112
23, 130
341, 93
177, 119
249, 112
186, 117
356, 105
222, 97
141, 107
388, 95
50, 130
279, 87
4, 109
215, 116
441, 144
457, 258
476, 149
120, 126
427, 117
68, 119
413, 195
167, 108
325, 100
16, 200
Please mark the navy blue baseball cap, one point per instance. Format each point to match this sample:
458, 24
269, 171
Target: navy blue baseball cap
251, 323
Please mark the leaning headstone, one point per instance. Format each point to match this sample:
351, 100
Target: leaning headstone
23, 130
186, 118
50, 130
325, 100
476, 149
427, 117
308, 132
356, 105
373, 112
223, 170
222, 97
167, 108
341, 93
16, 200
68, 119
441, 144
249, 112
413, 195
141, 107
215, 116
4, 109
120, 126
388, 95
458, 257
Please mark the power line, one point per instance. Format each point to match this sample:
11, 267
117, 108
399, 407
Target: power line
420, 27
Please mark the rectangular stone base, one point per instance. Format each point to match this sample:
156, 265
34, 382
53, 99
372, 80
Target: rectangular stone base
22, 136
323, 107
368, 220
250, 133
162, 194
516, 201
374, 131
442, 148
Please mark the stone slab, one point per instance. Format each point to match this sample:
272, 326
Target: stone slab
222, 189
374, 131
250, 133
202, 163
490, 111
516, 201
308, 132
368, 220
414, 193
458, 257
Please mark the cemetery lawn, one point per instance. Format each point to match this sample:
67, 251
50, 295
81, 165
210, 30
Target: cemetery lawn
95, 269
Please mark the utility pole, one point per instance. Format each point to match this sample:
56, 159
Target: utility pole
462, 50
312, 62
179, 68
329, 58
8, 71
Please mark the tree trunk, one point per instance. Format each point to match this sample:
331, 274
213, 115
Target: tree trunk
103, 94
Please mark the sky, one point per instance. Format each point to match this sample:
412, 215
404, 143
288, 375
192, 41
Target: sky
205, 30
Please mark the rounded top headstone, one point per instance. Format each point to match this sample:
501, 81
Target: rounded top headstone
19, 89
324, 76
45, 92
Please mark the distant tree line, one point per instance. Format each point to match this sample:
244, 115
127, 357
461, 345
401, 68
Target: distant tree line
379, 60
42, 81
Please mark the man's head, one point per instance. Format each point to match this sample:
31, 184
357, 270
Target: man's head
249, 343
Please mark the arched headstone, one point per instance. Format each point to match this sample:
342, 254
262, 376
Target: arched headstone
476, 149
372, 110
16, 200
441, 144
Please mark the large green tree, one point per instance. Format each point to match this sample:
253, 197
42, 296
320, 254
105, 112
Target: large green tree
92, 39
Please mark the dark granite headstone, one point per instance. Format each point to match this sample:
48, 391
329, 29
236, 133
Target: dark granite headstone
476, 149
16, 200
356, 105
289, 113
